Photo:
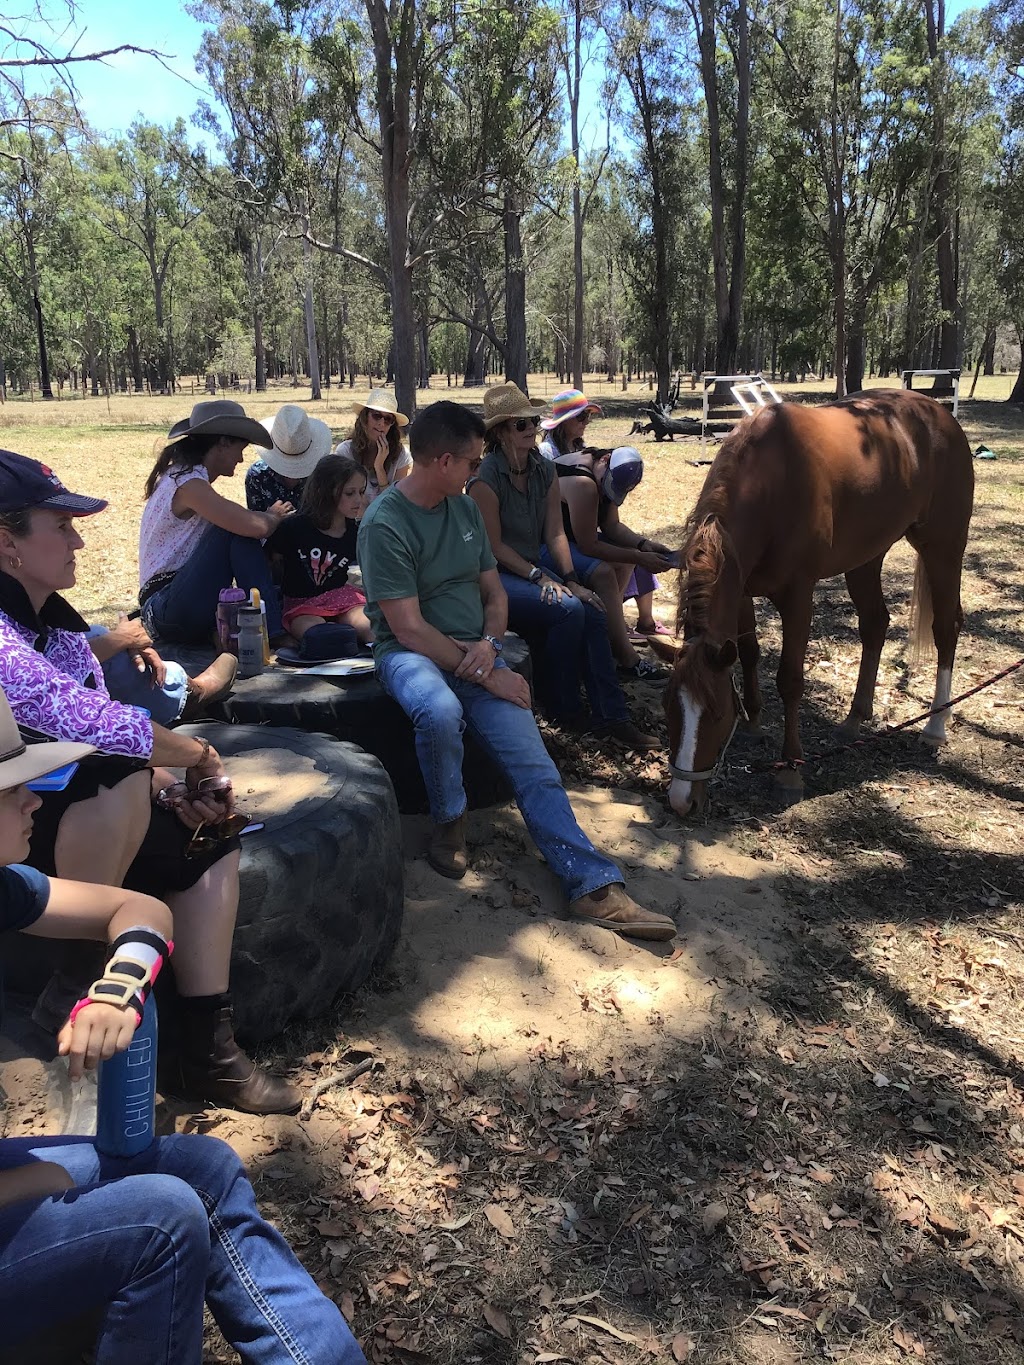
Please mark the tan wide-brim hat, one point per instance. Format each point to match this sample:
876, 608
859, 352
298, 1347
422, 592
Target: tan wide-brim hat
221, 417
300, 442
506, 402
21, 762
382, 401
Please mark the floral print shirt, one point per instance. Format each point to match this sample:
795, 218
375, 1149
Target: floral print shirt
54, 682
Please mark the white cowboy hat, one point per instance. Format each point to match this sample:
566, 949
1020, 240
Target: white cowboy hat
300, 442
21, 762
382, 401
505, 402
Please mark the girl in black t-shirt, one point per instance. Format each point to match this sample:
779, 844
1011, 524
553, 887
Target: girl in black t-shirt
321, 582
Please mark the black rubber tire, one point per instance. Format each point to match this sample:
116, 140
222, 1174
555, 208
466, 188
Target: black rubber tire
360, 711
321, 885
321, 895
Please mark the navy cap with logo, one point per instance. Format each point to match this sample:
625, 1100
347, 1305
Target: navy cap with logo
26, 483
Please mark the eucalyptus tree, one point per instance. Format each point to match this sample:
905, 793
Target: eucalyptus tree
848, 77
1007, 25
147, 203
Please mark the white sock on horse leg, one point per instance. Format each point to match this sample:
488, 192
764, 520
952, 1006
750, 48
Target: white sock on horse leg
936, 727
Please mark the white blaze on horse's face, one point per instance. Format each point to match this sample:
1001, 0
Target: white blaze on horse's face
681, 792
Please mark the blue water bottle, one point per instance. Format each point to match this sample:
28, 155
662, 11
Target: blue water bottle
126, 1100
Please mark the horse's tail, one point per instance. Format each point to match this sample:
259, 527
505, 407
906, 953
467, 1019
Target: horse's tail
920, 632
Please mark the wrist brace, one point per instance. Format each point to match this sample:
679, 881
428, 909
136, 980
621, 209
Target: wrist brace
136, 957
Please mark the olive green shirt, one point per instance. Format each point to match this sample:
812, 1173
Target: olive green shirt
522, 513
435, 554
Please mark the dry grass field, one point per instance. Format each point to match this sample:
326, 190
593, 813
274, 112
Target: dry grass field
798, 1133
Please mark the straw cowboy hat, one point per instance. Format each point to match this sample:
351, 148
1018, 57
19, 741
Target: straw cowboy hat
21, 762
568, 403
506, 402
221, 417
300, 441
382, 401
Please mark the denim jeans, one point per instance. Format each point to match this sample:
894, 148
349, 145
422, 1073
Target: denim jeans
125, 683
583, 564
441, 706
151, 1237
575, 641
185, 611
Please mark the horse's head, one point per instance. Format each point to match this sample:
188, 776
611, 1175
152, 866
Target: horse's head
702, 710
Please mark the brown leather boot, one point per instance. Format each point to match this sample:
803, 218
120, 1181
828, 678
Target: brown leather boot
213, 1067
213, 684
611, 908
447, 851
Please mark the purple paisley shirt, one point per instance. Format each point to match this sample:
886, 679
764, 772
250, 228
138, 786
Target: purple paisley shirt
54, 682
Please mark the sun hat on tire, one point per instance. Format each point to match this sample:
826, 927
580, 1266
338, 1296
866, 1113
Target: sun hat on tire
300, 442
380, 400
21, 762
569, 403
220, 417
506, 402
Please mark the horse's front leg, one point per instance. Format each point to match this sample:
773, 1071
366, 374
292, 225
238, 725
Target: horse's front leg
795, 609
865, 588
750, 653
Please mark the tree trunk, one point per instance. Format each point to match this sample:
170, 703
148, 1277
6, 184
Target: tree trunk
515, 293
855, 346
342, 340
135, 359
989, 349
45, 387
946, 250
257, 312
658, 307
728, 240
394, 94
577, 198
312, 349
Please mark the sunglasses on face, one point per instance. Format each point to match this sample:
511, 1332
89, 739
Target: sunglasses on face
384, 417
525, 423
473, 461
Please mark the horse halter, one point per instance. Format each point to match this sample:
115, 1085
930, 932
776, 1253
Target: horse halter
707, 774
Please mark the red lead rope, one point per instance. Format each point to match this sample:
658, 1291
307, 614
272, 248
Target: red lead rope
889, 731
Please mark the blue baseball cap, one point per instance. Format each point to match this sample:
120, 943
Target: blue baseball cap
624, 472
25, 484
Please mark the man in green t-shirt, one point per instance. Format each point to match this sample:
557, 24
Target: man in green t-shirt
439, 614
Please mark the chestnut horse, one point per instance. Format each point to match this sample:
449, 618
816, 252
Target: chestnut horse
797, 494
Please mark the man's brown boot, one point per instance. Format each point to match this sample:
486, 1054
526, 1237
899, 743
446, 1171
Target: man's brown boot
447, 851
213, 1067
611, 908
213, 684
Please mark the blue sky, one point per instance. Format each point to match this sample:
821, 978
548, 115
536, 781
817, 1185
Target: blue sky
114, 94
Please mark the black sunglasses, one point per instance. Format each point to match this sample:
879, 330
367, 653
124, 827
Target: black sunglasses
524, 423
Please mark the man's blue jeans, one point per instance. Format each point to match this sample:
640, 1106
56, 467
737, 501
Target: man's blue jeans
575, 641
125, 683
441, 706
152, 1236
185, 611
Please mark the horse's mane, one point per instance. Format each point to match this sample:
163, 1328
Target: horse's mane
701, 561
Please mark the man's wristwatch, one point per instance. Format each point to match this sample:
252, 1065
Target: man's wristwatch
496, 644
535, 574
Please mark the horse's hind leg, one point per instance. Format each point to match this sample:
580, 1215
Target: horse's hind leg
941, 569
865, 588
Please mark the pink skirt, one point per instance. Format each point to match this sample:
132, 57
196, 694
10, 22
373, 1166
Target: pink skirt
334, 603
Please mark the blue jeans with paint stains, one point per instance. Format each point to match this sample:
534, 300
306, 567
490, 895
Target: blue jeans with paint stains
146, 1240
441, 707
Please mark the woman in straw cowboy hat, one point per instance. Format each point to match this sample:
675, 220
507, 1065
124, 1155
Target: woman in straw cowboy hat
131, 1239
376, 442
192, 541
517, 493
280, 473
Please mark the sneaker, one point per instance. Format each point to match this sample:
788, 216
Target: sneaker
644, 670
624, 732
